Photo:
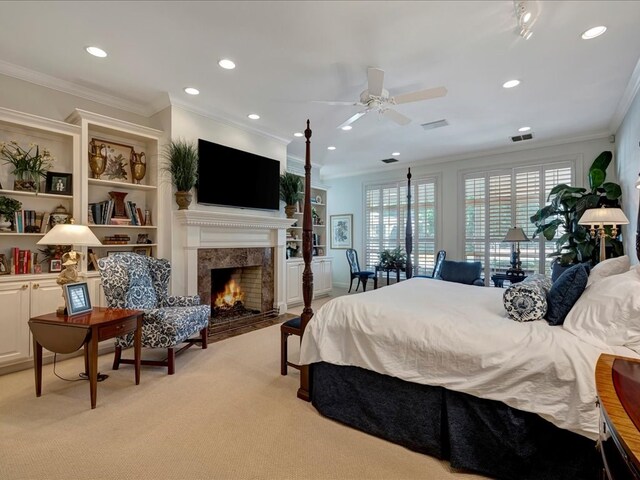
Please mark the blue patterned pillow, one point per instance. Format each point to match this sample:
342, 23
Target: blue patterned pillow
565, 292
527, 301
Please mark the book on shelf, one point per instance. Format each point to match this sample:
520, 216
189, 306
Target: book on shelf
23, 261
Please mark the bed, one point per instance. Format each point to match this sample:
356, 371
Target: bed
438, 367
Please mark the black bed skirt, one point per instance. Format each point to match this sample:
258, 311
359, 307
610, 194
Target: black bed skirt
475, 434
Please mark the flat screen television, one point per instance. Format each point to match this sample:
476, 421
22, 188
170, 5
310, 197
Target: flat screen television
233, 178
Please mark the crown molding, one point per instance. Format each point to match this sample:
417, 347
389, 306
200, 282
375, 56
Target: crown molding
71, 88
202, 218
626, 100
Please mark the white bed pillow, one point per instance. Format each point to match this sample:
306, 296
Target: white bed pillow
606, 268
608, 313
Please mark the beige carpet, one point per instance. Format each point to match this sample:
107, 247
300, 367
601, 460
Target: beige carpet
227, 413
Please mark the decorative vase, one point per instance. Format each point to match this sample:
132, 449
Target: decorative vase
5, 226
289, 210
138, 166
97, 159
119, 210
183, 199
26, 183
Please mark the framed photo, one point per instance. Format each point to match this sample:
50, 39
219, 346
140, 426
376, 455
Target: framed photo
118, 156
4, 265
146, 251
55, 265
58, 183
76, 297
341, 231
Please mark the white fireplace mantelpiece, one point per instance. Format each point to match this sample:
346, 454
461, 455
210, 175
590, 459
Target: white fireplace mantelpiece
196, 229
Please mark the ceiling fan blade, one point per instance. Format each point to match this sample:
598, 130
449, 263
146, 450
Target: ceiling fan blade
396, 117
420, 95
335, 103
375, 77
353, 119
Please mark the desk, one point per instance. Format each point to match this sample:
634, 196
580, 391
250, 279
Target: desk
618, 388
386, 269
499, 278
66, 334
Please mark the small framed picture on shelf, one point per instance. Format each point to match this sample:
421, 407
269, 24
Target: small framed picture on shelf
4, 265
143, 238
76, 297
55, 265
58, 183
146, 251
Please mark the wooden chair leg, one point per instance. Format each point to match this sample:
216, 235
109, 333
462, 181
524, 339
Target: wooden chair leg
358, 284
283, 353
204, 334
364, 284
171, 360
116, 358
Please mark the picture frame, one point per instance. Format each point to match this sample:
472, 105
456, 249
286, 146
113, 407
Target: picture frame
341, 231
5, 269
146, 251
59, 183
76, 298
55, 265
118, 155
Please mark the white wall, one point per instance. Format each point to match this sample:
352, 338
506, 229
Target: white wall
346, 194
628, 165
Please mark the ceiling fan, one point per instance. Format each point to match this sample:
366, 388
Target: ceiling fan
377, 99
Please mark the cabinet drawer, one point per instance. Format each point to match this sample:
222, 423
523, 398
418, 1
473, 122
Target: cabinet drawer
117, 329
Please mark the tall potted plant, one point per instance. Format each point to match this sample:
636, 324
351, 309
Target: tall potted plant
567, 204
291, 190
181, 159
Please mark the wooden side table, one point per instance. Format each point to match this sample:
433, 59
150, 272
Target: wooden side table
66, 334
388, 270
618, 387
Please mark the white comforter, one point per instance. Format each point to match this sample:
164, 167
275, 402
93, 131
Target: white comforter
459, 337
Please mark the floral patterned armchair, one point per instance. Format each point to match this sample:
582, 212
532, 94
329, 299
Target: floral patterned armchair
134, 281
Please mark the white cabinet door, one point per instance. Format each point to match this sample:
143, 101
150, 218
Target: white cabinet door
14, 329
294, 282
327, 272
46, 297
318, 277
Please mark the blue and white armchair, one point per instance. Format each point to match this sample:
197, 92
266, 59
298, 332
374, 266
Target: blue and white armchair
135, 281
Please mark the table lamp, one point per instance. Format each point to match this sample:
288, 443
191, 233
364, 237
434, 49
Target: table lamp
603, 217
515, 235
69, 234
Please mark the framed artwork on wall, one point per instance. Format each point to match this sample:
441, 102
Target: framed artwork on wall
341, 231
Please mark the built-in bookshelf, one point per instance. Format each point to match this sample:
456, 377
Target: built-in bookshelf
319, 225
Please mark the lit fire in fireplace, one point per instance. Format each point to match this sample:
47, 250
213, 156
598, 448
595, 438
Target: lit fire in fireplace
231, 296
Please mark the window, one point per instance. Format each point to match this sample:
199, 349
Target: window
385, 221
496, 200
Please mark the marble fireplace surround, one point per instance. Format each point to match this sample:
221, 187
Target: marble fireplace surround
208, 229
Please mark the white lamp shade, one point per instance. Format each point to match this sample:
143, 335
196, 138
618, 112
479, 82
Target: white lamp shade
70, 234
516, 234
603, 216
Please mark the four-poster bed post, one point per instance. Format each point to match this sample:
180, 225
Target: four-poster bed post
307, 274
408, 238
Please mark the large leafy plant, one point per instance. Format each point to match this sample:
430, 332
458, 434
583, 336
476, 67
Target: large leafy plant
567, 204
291, 188
395, 258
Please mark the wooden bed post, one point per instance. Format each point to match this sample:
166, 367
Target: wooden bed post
408, 236
307, 274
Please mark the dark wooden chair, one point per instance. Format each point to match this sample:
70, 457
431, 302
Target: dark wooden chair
354, 267
288, 328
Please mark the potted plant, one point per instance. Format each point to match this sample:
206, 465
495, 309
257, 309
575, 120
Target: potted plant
8, 208
291, 189
567, 204
27, 167
182, 166
393, 259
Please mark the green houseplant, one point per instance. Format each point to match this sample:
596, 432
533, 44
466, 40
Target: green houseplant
28, 166
8, 208
567, 204
181, 165
291, 191
395, 258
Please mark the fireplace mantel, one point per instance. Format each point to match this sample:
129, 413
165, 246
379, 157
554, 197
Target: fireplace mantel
199, 229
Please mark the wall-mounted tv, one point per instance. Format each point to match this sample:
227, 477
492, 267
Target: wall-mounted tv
233, 178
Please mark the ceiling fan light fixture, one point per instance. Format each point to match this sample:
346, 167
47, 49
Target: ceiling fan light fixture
511, 83
227, 64
593, 32
525, 17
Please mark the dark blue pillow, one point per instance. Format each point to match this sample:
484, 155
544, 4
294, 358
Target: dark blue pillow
565, 292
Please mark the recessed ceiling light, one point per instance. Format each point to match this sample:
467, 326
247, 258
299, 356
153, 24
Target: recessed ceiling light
347, 128
331, 148
524, 129
96, 52
395, 154
227, 64
298, 134
191, 91
511, 84
253, 116
594, 32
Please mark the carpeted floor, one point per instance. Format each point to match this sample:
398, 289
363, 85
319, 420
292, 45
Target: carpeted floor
227, 413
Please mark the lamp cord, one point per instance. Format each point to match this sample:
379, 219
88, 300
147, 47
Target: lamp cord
82, 375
